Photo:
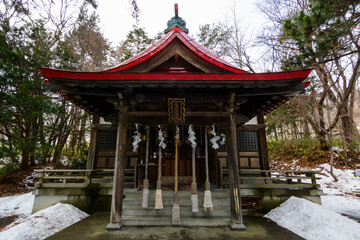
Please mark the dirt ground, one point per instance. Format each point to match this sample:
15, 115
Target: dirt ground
17, 183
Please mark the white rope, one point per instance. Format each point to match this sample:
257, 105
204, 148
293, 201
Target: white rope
208, 206
146, 181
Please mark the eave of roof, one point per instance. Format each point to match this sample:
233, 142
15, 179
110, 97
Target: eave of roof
116, 76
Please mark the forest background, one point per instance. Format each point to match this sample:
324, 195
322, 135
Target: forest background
38, 127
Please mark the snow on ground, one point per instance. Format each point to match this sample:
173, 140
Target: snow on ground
336, 218
39, 225
303, 217
348, 183
345, 205
313, 221
43, 223
20, 205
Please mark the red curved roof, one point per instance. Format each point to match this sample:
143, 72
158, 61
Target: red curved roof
301, 75
176, 33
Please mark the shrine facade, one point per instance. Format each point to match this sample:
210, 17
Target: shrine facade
208, 113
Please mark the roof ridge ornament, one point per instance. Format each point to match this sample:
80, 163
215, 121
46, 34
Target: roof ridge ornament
176, 21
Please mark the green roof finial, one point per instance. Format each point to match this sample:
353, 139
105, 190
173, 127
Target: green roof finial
176, 22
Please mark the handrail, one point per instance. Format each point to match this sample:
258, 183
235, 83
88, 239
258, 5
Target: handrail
284, 171
263, 178
73, 170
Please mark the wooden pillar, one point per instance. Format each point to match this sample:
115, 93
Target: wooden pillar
263, 151
234, 183
119, 172
92, 148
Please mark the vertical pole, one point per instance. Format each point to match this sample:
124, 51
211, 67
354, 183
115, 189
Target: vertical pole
207, 182
158, 185
147, 128
176, 165
193, 166
176, 207
264, 162
158, 193
208, 205
119, 172
234, 184
146, 180
194, 196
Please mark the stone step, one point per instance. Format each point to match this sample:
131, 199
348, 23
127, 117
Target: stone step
215, 193
167, 211
170, 201
129, 184
128, 178
184, 221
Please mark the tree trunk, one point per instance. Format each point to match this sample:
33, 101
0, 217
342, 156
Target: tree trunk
306, 129
349, 128
275, 131
25, 160
295, 130
32, 159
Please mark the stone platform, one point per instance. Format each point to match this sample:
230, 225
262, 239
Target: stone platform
93, 228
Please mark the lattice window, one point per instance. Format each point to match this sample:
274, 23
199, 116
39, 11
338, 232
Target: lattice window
247, 141
106, 140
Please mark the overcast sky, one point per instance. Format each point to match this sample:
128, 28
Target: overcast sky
116, 20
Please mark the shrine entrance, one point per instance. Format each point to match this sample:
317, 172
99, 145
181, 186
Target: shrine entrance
168, 159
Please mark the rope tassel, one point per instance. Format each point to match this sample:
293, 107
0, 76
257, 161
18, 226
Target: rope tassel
194, 196
145, 197
208, 205
158, 193
146, 180
176, 208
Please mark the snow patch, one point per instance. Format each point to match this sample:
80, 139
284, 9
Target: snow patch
348, 183
43, 223
345, 205
339, 149
313, 221
20, 205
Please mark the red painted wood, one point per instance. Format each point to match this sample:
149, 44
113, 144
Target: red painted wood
115, 76
179, 34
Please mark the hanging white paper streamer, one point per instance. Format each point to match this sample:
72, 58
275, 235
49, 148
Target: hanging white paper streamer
223, 139
161, 138
192, 137
136, 138
214, 139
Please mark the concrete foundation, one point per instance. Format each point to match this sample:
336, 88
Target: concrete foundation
92, 200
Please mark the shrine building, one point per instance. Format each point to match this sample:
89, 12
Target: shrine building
178, 138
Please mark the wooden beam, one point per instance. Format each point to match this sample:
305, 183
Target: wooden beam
250, 127
104, 126
263, 151
119, 172
188, 114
